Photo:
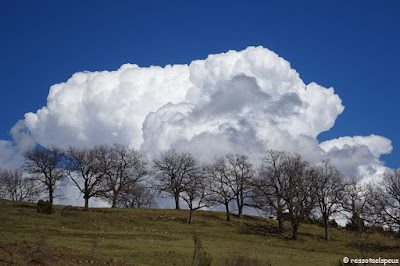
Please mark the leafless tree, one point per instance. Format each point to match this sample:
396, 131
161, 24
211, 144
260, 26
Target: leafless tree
14, 186
86, 170
172, 169
240, 173
219, 184
268, 187
329, 191
195, 190
3, 185
137, 195
299, 190
122, 166
355, 202
46, 166
385, 201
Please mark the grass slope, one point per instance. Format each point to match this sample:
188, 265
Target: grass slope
71, 236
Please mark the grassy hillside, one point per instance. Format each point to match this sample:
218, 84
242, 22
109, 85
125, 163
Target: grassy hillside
71, 236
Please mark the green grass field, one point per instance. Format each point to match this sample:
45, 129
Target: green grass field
162, 237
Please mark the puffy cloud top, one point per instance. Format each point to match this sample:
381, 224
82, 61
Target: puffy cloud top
376, 144
98, 107
247, 102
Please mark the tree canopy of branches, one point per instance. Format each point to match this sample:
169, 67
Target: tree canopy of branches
268, 186
298, 190
195, 191
240, 173
122, 167
45, 166
172, 170
385, 201
355, 202
14, 186
220, 191
86, 170
330, 187
136, 195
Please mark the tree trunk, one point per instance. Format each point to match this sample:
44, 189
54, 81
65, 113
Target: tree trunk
51, 195
191, 216
177, 202
360, 224
326, 221
114, 202
228, 214
86, 202
240, 209
280, 223
295, 227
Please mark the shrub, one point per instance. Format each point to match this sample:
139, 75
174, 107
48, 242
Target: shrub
45, 207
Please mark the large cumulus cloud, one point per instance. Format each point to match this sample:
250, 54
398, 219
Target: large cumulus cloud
246, 102
98, 107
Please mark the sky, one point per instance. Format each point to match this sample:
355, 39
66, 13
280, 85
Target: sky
284, 49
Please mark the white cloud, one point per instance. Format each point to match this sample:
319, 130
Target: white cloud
377, 145
247, 102
358, 156
68, 194
11, 152
9, 155
98, 107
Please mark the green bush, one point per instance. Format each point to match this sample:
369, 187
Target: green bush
45, 207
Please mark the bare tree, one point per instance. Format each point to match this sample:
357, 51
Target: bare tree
330, 192
3, 185
86, 170
46, 166
137, 195
122, 166
14, 186
268, 187
385, 201
172, 169
240, 173
194, 191
219, 188
355, 202
299, 190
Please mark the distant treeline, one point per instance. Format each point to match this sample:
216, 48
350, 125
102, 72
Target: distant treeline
284, 186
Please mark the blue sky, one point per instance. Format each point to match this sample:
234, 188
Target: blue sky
352, 46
